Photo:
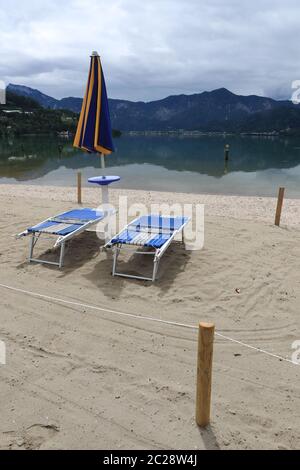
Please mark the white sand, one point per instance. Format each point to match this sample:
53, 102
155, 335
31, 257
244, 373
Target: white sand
77, 377
240, 207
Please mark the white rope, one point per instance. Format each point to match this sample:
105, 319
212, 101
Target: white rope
257, 349
93, 307
141, 317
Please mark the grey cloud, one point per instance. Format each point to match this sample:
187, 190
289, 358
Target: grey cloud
152, 49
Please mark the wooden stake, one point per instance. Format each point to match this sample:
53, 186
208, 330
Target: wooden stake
279, 206
79, 187
204, 373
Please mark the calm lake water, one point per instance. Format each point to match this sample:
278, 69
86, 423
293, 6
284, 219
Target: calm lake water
257, 165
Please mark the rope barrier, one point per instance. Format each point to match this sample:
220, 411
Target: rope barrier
142, 317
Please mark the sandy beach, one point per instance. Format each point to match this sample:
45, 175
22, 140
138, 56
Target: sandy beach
77, 377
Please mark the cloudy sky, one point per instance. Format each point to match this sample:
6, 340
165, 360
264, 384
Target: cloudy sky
152, 49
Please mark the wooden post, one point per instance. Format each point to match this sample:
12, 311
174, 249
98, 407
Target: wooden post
79, 187
204, 373
279, 206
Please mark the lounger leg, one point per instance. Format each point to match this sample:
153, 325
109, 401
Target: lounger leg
31, 247
116, 254
61, 256
155, 268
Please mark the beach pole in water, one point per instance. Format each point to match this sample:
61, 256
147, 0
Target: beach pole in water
79, 187
226, 152
204, 372
279, 206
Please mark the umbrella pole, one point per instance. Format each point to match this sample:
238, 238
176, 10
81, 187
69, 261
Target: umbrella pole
104, 188
102, 161
105, 198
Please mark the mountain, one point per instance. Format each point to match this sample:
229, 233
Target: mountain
215, 111
283, 118
218, 110
71, 104
25, 103
43, 100
23, 115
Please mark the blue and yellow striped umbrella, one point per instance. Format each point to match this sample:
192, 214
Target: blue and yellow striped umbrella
94, 128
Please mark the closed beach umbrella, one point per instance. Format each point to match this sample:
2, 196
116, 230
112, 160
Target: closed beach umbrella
94, 127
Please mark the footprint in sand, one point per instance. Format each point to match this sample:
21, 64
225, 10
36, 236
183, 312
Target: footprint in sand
38, 434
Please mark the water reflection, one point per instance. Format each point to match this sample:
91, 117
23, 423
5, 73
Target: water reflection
171, 163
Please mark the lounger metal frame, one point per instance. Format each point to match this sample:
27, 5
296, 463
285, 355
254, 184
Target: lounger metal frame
61, 239
157, 253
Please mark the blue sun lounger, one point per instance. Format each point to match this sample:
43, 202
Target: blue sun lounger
64, 227
153, 232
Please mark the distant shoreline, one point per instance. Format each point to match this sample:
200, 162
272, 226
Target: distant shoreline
193, 134
201, 134
206, 134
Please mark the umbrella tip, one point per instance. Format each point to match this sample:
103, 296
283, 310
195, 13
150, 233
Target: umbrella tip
95, 53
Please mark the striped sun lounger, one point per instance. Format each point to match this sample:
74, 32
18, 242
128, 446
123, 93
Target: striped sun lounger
64, 227
153, 232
